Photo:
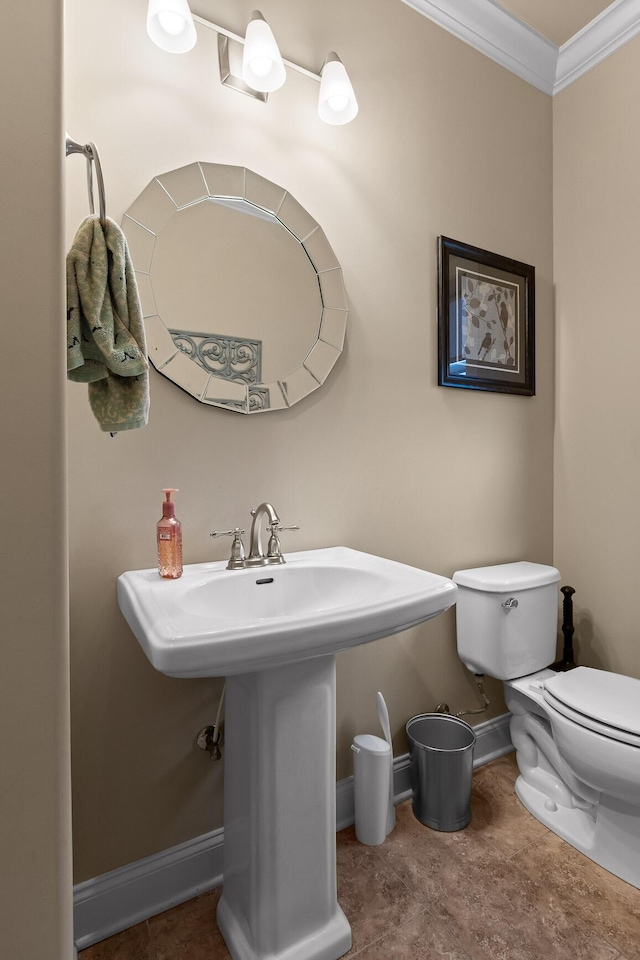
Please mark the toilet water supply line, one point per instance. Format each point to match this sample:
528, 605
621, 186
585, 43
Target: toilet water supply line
444, 707
480, 685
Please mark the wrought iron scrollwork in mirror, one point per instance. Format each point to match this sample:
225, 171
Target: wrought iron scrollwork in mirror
243, 298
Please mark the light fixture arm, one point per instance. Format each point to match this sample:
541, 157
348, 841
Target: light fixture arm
235, 36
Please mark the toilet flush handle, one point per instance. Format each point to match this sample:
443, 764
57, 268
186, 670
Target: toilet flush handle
511, 602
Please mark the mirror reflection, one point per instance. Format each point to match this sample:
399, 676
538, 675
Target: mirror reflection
243, 297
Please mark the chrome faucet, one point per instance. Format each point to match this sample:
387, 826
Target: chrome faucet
257, 557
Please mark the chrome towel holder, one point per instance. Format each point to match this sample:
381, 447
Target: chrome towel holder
90, 152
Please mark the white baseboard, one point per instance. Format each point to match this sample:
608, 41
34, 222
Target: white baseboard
493, 740
117, 900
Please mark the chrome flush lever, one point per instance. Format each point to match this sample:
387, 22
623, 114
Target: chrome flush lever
510, 603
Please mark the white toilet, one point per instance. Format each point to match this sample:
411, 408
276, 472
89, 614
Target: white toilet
576, 734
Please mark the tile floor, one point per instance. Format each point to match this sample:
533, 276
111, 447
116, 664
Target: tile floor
503, 889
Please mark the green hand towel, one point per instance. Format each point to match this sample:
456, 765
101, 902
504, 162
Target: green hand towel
105, 331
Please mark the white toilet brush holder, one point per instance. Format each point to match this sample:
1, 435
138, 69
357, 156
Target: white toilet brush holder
371, 773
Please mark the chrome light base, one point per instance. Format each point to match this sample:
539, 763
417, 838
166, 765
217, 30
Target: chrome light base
229, 79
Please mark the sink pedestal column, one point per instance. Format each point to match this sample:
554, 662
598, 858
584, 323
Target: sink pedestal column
279, 893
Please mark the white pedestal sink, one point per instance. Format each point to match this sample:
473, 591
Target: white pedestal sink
273, 632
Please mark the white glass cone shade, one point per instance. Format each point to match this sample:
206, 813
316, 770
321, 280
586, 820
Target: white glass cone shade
262, 66
337, 102
170, 25
171, 22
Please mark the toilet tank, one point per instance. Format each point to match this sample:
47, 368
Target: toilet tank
507, 640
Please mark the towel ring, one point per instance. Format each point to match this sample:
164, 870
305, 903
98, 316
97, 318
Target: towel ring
90, 152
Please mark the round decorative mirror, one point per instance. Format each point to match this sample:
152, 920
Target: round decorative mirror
243, 298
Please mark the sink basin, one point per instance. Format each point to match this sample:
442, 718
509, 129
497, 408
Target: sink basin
216, 622
273, 632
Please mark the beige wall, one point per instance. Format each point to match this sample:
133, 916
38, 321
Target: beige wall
597, 211
35, 798
380, 459
556, 21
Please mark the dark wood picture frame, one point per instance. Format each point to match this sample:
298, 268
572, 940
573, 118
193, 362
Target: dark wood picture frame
486, 320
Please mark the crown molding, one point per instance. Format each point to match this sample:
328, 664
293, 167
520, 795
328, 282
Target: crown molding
615, 26
498, 34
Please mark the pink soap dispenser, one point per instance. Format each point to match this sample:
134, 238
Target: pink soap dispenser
169, 539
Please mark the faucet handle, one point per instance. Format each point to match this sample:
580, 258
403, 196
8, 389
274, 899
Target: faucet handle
274, 550
236, 560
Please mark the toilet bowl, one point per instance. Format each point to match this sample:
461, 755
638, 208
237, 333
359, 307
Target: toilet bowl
576, 734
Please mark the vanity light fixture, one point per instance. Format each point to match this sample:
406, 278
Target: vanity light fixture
170, 24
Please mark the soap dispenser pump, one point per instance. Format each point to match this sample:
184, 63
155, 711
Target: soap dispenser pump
169, 535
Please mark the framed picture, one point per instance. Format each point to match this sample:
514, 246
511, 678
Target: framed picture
486, 320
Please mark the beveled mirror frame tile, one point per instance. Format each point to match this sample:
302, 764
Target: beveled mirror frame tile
333, 327
153, 208
321, 360
225, 393
184, 185
140, 241
147, 299
298, 384
319, 251
187, 374
224, 180
295, 218
263, 192
332, 287
160, 345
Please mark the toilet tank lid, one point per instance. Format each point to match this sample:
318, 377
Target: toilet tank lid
507, 577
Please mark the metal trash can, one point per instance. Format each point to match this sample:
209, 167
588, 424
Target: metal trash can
441, 754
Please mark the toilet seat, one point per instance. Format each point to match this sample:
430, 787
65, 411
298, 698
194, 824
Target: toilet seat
613, 733
607, 703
